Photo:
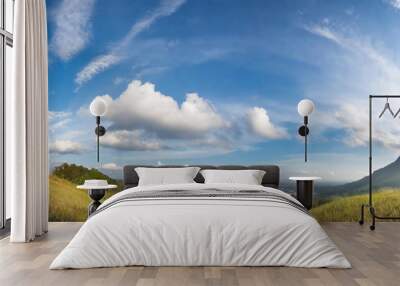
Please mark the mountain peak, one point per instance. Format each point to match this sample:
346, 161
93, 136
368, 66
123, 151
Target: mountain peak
387, 176
397, 161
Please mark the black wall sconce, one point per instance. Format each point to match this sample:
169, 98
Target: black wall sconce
98, 108
305, 108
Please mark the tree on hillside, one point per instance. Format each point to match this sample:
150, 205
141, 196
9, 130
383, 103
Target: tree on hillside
78, 174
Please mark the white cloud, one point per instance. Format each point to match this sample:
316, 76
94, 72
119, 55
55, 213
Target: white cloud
59, 124
394, 3
349, 11
260, 123
356, 127
355, 123
53, 115
58, 120
83, 112
162, 55
72, 27
150, 71
103, 62
111, 167
65, 147
363, 49
216, 141
143, 119
119, 80
363, 67
129, 141
325, 32
96, 66
140, 106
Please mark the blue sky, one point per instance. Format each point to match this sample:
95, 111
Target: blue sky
219, 81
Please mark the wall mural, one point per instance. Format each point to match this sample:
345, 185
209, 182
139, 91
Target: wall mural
218, 82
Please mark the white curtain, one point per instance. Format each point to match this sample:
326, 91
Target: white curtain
27, 151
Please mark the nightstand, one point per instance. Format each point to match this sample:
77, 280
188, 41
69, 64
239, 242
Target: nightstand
96, 191
304, 190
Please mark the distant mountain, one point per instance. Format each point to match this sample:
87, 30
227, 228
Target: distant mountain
388, 176
78, 174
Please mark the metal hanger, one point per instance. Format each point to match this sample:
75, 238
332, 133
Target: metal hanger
387, 107
397, 113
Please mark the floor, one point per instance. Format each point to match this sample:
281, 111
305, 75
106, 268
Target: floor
375, 257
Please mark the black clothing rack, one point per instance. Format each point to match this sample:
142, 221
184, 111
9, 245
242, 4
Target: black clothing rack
370, 203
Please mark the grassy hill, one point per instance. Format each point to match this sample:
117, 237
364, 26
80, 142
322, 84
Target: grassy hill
386, 202
78, 174
386, 177
66, 202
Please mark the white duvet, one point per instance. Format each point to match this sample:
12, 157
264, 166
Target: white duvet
200, 231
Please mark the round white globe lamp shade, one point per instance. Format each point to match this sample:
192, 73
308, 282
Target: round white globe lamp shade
305, 107
98, 107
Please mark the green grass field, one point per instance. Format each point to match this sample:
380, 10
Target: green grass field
67, 203
386, 202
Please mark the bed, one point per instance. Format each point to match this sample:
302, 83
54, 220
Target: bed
198, 224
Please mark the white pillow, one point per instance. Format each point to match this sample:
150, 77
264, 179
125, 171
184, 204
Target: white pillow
165, 176
248, 177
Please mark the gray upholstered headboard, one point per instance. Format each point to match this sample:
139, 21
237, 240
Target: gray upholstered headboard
271, 177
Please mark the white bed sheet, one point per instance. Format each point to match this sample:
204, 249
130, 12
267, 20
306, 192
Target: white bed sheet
202, 232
